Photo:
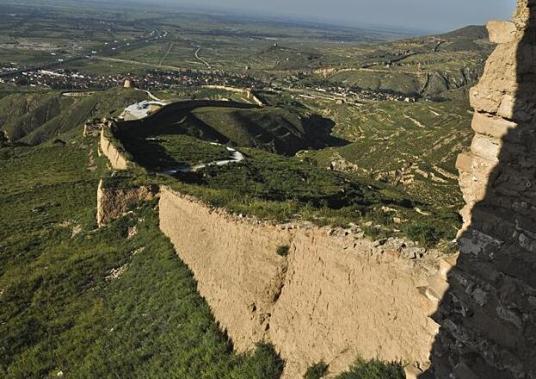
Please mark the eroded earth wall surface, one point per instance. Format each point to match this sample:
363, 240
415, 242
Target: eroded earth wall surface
488, 316
116, 158
317, 294
113, 202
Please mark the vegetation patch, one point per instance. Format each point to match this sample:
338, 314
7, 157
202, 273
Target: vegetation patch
316, 371
374, 369
58, 311
285, 189
283, 251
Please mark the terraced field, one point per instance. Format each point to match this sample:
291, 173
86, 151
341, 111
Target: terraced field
412, 145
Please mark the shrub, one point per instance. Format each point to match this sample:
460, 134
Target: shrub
3, 139
282, 251
425, 234
316, 371
373, 232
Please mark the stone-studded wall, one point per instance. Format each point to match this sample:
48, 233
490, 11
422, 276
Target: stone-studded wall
488, 316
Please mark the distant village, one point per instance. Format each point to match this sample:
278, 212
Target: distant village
301, 84
65, 79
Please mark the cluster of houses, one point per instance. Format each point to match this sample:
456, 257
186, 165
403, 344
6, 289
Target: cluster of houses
65, 79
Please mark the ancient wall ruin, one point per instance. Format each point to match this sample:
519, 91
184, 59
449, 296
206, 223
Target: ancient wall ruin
336, 296
331, 296
317, 294
113, 202
117, 160
488, 315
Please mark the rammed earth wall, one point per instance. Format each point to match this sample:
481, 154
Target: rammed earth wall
117, 160
334, 297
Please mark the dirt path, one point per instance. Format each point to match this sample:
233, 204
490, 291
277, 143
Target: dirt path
235, 157
196, 54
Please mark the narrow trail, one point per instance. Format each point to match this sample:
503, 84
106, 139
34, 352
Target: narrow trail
166, 54
416, 122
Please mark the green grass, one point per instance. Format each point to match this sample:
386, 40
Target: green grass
374, 369
59, 311
284, 189
409, 84
273, 129
388, 137
163, 152
20, 114
243, 125
361, 369
399, 143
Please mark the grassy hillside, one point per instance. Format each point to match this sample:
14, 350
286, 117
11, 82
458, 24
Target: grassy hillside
77, 301
424, 66
273, 129
20, 114
471, 32
285, 189
38, 117
94, 303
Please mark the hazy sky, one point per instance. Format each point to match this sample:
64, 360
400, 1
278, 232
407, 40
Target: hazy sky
433, 15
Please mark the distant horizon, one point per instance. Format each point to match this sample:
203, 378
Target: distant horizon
409, 17
438, 16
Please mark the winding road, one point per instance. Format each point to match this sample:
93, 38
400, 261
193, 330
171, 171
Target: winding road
196, 54
235, 157
140, 110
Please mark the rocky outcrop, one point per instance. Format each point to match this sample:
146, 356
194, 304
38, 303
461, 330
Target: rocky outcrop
488, 316
317, 294
117, 160
113, 202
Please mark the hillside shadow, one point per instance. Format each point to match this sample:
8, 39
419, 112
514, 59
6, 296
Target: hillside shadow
264, 130
487, 317
320, 129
